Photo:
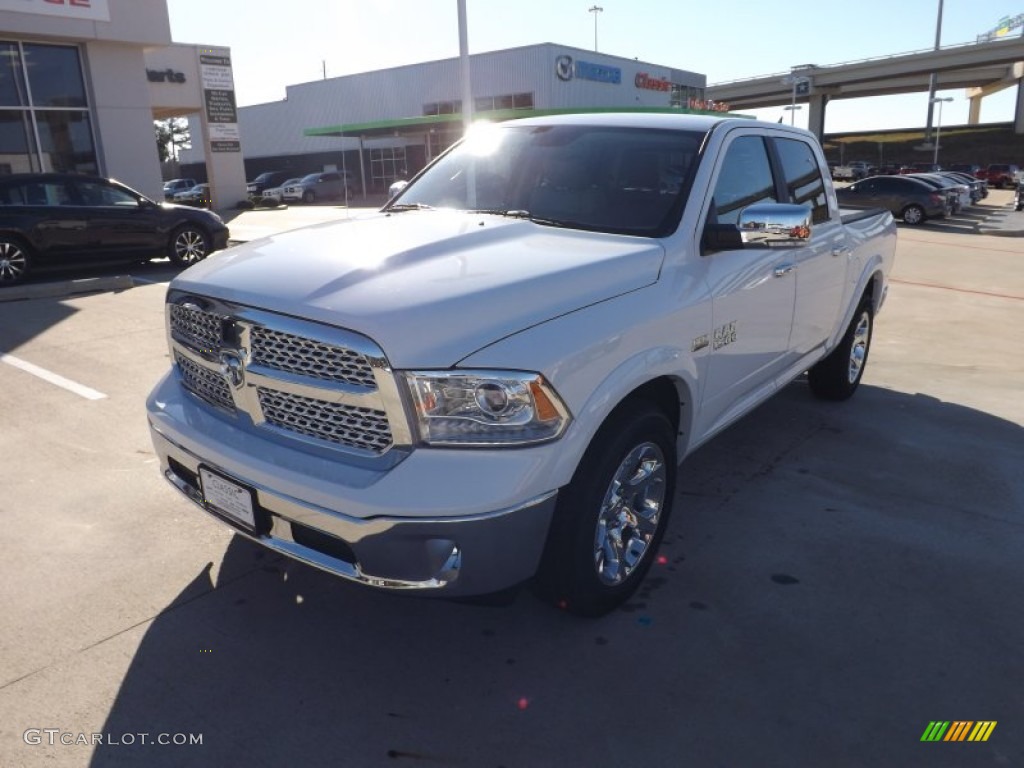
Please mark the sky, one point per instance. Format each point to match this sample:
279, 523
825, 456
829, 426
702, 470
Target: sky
276, 43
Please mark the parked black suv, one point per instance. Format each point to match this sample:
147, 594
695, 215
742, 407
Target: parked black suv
49, 218
266, 180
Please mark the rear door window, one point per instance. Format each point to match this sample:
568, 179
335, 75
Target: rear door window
803, 180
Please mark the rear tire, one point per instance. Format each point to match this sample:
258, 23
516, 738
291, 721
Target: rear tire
913, 214
837, 376
610, 519
16, 260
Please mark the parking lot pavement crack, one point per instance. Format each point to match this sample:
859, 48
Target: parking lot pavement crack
222, 583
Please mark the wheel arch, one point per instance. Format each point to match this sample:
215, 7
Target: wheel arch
669, 392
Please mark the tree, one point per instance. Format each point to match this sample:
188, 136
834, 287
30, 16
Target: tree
171, 135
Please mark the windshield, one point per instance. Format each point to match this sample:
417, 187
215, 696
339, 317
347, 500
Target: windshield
309, 178
603, 178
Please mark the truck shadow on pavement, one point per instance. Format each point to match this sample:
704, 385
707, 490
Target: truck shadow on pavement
835, 577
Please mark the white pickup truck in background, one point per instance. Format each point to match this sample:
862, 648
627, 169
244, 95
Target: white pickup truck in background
495, 378
852, 171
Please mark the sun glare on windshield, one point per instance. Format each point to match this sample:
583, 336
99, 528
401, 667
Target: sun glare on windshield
483, 139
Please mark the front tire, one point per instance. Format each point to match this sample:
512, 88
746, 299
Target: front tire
913, 214
188, 245
309, 196
15, 260
837, 376
610, 519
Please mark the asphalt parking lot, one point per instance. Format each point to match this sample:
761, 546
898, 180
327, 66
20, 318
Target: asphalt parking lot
835, 578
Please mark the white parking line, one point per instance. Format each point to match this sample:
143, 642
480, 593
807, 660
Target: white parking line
53, 378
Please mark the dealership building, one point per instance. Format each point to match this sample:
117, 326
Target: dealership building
81, 82
389, 123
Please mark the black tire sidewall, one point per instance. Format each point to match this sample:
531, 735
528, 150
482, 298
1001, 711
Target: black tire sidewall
920, 213
28, 254
829, 379
172, 250
568, 576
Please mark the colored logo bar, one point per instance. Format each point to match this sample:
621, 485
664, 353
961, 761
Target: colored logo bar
958, 730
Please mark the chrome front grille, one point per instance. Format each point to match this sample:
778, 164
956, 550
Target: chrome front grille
201, 329
343, 424
207, 384
307, 357
325, 386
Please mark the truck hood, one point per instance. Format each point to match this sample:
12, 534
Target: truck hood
430, 287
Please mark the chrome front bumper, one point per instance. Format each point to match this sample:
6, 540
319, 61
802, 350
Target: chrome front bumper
456, 556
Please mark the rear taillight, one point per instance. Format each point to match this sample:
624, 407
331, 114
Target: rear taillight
937, 198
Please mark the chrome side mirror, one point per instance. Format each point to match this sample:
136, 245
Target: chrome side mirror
396, 187
775, 224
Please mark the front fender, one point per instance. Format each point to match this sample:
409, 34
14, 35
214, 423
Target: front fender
595, 357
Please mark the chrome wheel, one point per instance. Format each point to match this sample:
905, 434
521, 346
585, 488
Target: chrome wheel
913, 215
859, 348
189, 246
13, 262
629, 515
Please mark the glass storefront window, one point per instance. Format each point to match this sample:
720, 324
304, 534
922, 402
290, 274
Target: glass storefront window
54, 76
65, 139
17, 147
12, 83
44, 123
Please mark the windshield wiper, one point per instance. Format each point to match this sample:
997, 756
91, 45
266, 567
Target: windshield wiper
400, 207
518, 213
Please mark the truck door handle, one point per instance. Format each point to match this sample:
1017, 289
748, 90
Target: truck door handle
783, 269
841, 250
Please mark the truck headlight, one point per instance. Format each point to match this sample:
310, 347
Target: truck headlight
485, 408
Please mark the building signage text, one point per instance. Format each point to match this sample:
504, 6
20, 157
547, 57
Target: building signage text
708, 106
649, 83
94, 10
165, 76
566, 69
220, 106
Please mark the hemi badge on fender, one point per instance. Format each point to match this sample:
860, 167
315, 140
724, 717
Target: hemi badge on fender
699, 343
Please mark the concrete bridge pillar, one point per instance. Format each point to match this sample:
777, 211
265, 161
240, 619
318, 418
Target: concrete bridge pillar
816, 114
974, 110
1018, 117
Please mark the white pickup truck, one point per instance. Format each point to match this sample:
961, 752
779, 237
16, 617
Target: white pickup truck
855, 170
495, 378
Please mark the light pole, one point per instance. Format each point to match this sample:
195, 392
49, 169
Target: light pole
792, 109
932, 79
938, 125
595, 9
796, 81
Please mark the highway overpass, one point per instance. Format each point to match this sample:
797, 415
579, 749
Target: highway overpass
980, 68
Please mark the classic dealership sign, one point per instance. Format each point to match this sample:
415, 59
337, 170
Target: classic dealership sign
94, 10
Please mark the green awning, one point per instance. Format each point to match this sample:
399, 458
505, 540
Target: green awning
413, 125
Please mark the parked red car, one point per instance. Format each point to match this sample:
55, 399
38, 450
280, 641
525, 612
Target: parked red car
999, 175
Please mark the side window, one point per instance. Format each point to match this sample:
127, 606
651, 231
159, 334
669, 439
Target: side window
804, 184
40, 193
744, 179
96, 194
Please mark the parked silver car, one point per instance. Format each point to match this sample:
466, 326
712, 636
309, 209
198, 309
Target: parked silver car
328, 185
275, 195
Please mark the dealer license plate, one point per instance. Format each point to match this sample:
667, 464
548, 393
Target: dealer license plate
229, 499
